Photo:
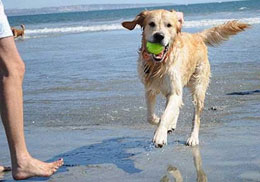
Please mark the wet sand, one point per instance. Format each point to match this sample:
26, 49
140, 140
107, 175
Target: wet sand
227, 153
229, 148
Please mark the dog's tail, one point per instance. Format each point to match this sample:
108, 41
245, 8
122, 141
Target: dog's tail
23, 26
214, 36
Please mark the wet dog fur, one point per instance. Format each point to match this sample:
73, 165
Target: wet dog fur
183, 62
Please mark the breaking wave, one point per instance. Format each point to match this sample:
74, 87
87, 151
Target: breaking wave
109, 27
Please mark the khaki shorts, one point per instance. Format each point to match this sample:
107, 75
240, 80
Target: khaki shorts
5, 30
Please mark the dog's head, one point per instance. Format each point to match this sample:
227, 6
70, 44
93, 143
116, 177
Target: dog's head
159, 26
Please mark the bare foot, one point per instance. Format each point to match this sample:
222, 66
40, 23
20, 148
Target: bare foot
4, 169
31, 167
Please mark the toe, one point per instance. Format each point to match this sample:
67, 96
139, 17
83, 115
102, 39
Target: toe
58, 163
159, 145
54, 171
170, 131
5, 169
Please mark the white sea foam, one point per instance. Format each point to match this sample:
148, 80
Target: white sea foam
243, 8
214, 22
108, 27
75, 29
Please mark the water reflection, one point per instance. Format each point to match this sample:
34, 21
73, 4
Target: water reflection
174, 172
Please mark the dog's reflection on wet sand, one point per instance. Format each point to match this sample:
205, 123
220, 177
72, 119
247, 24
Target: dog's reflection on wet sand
176, 174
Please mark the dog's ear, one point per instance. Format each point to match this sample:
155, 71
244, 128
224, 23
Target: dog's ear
180, 18
139, 19
180, 21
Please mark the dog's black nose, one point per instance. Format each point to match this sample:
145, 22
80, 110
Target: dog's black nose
158, 37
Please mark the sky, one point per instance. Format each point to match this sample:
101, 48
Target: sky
21, 4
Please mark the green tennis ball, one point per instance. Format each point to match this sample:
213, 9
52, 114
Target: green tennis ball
154, 48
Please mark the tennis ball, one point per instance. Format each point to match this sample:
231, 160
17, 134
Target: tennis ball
154, 48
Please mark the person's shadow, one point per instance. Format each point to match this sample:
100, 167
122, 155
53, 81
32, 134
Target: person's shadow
111, 151
176, 174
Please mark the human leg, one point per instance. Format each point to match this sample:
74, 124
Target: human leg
11, 107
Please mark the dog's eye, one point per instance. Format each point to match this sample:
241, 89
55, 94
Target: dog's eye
152, 24
169, 25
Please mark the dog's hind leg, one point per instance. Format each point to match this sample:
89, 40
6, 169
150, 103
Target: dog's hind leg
199, 84
194, 137
150, 97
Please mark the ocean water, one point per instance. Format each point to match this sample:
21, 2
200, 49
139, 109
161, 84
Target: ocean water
197, 15
81, 66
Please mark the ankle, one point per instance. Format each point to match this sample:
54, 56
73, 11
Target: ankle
20, 160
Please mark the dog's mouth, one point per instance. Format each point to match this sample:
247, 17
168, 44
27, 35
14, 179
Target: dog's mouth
161, 56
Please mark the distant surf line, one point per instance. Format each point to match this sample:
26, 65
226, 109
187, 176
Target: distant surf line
110, 27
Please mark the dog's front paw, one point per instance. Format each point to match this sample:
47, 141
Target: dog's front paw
160, 137
193, 140
154, 120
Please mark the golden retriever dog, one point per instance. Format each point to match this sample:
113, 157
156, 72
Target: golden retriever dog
182, 62
17, 32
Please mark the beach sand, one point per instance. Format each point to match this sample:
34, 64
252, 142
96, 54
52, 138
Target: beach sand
227, 153
229, 142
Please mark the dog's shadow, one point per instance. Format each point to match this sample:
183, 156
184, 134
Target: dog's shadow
174, 172
111, 151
